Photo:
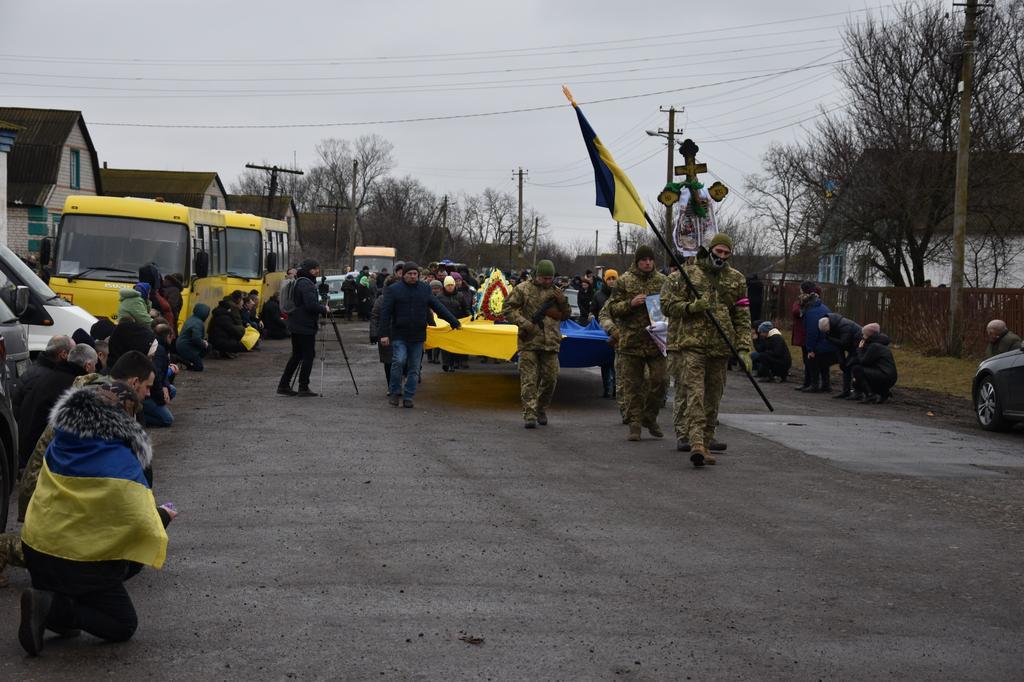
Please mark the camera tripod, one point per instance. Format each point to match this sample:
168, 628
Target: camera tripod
323, 348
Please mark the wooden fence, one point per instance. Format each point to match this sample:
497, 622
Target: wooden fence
912, 316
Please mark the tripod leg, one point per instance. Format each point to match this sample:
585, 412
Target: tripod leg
323, 359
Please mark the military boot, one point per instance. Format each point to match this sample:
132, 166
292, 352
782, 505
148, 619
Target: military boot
634, 432
542, 418
716, 445
654, 429
682, 445
699, 455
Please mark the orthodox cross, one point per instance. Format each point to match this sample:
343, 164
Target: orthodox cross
691, 168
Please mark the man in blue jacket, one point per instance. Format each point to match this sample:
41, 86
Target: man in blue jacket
303, 323
405, 311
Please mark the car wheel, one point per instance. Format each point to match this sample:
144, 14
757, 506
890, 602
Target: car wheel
987, 408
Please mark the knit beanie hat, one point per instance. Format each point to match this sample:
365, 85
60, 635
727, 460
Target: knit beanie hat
449, 280
720, 239
545, 268
435, 284
410, 266
456, 276
643, 252
611, 273
308, 264
765, 327
807, 286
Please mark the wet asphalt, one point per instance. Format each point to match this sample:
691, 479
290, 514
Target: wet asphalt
339, 537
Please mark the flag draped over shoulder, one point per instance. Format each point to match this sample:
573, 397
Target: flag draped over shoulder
614, 190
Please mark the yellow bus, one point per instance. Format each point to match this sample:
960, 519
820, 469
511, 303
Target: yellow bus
103, 241
275, 256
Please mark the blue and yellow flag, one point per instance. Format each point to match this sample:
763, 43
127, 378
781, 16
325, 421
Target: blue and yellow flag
92, 503
614, 190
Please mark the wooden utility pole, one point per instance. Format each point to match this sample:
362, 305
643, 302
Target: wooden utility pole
274, 170
671, 163
596, 248
536, 230
354, 229
520, 173
337, 208
963, 152
444, 226
618, 237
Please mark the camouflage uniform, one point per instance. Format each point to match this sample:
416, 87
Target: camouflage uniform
538, 344
604, 318
637, 352
700, 357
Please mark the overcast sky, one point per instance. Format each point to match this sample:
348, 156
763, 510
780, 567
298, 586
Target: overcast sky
308, 62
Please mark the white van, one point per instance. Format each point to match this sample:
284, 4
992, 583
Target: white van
47, 314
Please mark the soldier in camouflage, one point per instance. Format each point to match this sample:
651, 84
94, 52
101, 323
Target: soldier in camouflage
637, 354
700, 355
538, 308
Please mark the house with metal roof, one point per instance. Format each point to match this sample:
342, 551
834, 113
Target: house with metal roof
8, 133
52, 158
198, 189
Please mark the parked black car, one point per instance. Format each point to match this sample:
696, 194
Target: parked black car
999, 391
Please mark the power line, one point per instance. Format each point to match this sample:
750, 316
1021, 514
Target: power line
507, 53
449, 117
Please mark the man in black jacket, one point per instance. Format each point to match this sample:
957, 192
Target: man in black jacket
772, 357
844, 334
42, 395
875, 371
303, 323
405, 312
57, 349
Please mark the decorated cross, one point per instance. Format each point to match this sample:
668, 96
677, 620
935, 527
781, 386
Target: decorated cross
691, 168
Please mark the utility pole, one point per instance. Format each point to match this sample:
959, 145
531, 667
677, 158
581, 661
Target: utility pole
963, 152
618, 237
520, 173
354, 230
596, 247
444, 226
671, 163
274, 170
536, 230
337, 208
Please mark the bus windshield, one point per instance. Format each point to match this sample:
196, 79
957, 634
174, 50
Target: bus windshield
243, 253
112, 247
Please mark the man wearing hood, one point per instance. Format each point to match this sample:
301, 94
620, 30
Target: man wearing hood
134, 304
226, 328
538, 308
642, 369
875, 371
303, 322
192, 345
701, 354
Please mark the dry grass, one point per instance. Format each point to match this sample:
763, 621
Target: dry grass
935, 373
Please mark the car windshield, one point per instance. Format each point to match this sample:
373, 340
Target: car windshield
335, 286
114, 248
14, 271
243, 253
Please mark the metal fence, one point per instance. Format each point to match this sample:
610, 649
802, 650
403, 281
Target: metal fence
912, 316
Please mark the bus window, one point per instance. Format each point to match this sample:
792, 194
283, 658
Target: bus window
107, 247
243, 253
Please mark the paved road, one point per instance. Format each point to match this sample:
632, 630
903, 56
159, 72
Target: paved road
340, 537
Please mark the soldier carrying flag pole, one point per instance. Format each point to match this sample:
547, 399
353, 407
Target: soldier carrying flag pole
616, 193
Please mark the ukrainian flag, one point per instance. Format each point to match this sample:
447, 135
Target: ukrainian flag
614, 190
92, 503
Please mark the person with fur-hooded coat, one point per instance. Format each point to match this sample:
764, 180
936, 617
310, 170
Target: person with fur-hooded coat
91, 523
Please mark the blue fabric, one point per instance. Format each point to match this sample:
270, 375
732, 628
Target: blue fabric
71, 455
403, 352
584, 346
156, 415
816, 341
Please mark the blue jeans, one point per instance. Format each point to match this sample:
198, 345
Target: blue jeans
403, 352
156, 415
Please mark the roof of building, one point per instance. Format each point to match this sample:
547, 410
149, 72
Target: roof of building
183, 187
5, 125
257, 205
33, 165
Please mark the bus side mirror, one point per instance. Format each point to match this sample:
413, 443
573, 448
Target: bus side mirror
202, 264
45, 251
271, 262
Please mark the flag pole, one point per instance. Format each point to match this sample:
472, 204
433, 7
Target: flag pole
708, 313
